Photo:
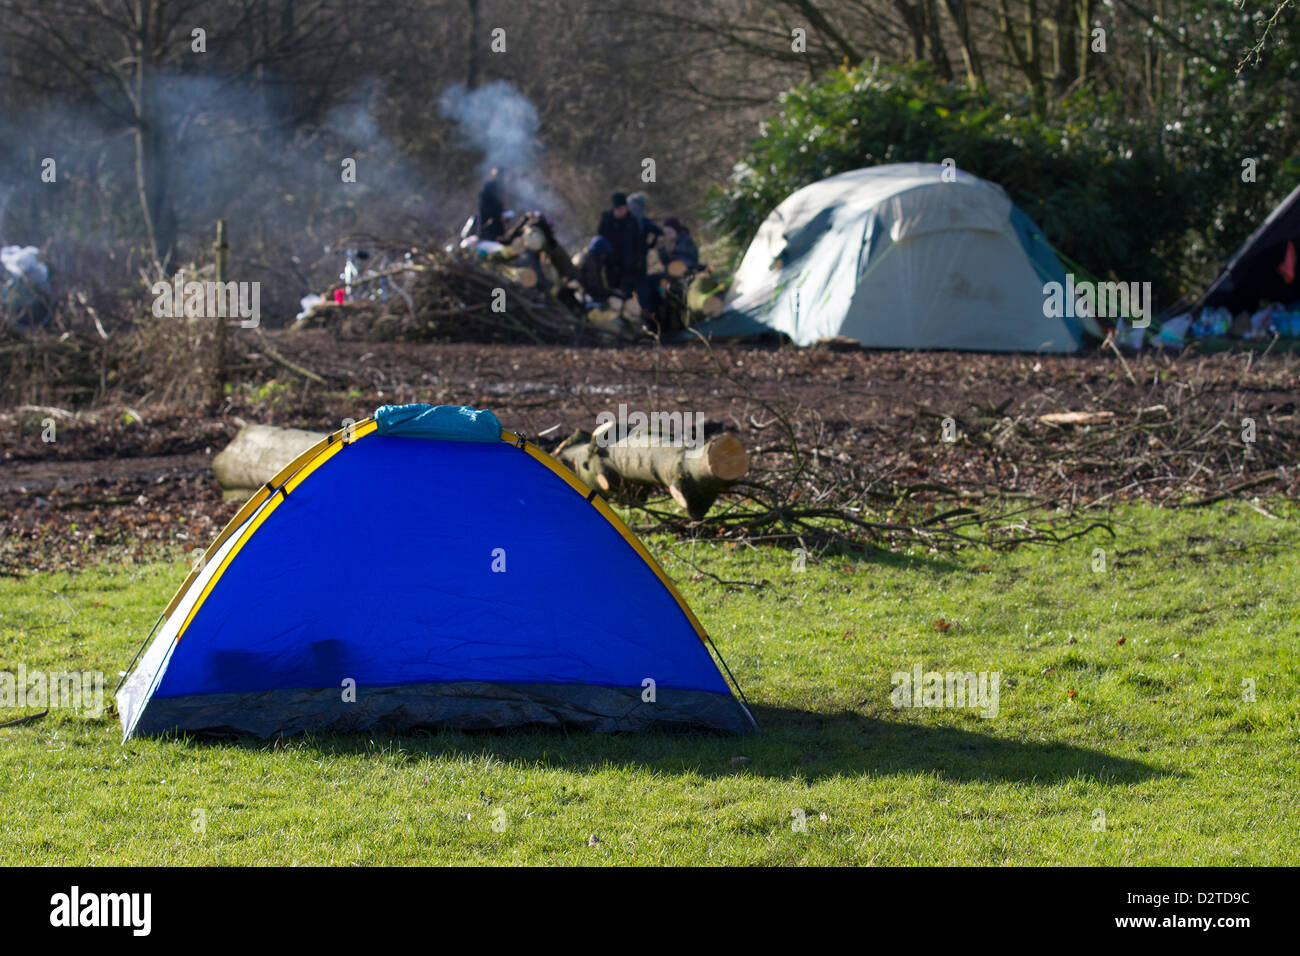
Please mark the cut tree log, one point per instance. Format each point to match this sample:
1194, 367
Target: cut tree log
676, 268
694, 476
702, 296
524, 275
534, 232
256, 455
605, 318
534, 238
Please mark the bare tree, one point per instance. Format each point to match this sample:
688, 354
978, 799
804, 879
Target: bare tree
118, 56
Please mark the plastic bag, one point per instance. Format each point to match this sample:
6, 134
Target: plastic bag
1174, 331
1211, 323
25, 262
24, 287
309, 302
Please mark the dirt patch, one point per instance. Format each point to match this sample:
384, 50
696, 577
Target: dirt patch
875, 418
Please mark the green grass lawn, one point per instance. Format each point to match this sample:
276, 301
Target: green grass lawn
1141, 752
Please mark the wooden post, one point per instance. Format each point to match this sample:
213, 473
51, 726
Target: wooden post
218, 393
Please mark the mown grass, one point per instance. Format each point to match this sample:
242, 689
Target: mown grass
1141, 752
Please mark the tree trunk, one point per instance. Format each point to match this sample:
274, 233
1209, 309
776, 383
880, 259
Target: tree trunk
959, 10
934, 41
1026, 56
152, 169
256, 455
1085, 36
818, 21
151, 178
694, 476
1066, 36
471, 71
529, 229
914, 21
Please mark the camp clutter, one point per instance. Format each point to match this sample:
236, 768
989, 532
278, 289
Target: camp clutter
1256, 295
435, 295
903, 255
425, 568
524, 286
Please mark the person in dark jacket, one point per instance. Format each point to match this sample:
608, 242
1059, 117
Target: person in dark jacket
592, 264
679, 245
627, 245
492, 207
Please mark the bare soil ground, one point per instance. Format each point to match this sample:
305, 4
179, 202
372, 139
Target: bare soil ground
124, 476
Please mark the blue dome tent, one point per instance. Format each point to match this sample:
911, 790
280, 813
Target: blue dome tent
426, 569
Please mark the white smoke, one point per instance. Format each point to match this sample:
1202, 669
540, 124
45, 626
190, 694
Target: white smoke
502, 124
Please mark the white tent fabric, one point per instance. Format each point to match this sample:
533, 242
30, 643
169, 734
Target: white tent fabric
135, 690
896, 257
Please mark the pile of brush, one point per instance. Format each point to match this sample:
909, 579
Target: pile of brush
522, 292
460, 298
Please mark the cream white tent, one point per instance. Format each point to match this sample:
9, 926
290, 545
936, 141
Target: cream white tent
900, 256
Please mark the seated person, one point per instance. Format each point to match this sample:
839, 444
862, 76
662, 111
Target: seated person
678, 244
652, 295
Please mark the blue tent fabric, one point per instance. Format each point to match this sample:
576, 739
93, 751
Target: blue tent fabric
451, 583
1043, 258
451, 422
734, 323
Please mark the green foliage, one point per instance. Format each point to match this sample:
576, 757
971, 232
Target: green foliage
1130, 199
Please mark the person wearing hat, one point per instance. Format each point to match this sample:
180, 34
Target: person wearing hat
650, 230
626, 261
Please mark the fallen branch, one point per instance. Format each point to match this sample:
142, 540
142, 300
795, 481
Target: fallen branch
30, 718
277, 356
1232, 491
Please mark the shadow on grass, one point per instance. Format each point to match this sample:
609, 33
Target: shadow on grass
793, 744
841, 553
